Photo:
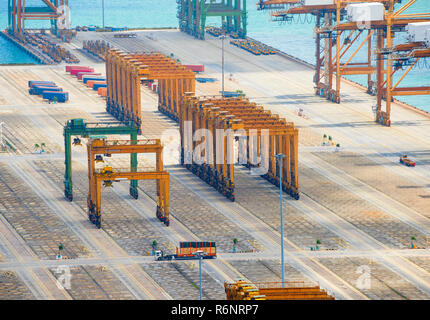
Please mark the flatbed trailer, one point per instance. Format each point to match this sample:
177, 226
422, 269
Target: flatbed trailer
187, 251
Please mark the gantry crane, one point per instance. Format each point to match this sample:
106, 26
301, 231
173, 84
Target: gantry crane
192, 15
331, 25
54, 10
80, 128
259, 135
126, 71
98, 147
394, 21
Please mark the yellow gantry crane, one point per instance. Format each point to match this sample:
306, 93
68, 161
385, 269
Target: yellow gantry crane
97, 148
227, 123
126, 71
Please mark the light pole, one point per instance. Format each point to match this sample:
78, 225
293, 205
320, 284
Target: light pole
200, 255
280, 157
222, 40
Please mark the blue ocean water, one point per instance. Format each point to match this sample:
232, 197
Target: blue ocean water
295, 38
10, 53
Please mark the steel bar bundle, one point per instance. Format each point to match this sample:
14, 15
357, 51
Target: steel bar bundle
126, 71
231, 131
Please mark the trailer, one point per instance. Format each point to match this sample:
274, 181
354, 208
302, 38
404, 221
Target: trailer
187, 251
406, 161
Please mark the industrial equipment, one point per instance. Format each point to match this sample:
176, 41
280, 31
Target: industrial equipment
187, 250
351, 19
236, 121
124, 75
192, 15
108, 175
78, 127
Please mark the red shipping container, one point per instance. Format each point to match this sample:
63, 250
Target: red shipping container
69, 68
73, 72
195, 68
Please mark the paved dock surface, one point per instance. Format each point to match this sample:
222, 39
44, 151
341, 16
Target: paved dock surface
358, 201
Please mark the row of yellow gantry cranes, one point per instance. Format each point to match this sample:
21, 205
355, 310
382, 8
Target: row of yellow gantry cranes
227, 124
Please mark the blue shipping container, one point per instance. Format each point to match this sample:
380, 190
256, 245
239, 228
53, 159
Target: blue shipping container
39, 82
98, 85
86, 79
40, 90
37, 89
61, 96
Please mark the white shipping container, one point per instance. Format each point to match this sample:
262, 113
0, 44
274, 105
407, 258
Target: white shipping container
317, 2
362, 12
417, 31
428, 37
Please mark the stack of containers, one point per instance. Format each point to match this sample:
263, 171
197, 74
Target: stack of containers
92, 79
48, 90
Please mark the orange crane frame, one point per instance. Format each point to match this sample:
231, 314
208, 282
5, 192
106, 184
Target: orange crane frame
95, 177
126, 71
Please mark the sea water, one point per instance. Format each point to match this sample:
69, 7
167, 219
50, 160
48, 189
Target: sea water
295, 38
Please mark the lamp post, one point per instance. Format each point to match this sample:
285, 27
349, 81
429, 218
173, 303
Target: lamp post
222, 40
200, 255
280, 157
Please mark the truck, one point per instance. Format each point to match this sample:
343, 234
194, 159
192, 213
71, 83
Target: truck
406, 161
188, 251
